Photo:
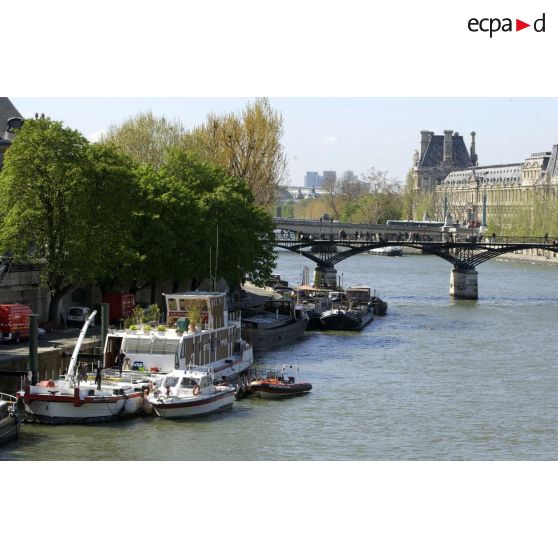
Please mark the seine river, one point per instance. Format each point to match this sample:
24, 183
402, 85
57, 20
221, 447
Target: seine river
433, 380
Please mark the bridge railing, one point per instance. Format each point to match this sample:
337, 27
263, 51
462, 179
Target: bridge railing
405, 236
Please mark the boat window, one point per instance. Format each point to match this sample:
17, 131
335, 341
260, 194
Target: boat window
172, 304
164, 346
170, 381
188, 383
157, 346
183, 304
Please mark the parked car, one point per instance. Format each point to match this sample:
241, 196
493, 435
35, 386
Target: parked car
78, 315
14, 322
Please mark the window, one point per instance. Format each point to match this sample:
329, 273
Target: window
170, 381
172, 304
188, 383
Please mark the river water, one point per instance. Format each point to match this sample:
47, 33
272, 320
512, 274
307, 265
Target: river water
433, 380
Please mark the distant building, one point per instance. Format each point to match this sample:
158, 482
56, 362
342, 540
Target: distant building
445, 167
311, 179
329, 177
10, 121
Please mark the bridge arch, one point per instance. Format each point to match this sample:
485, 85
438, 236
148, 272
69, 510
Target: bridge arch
464, 256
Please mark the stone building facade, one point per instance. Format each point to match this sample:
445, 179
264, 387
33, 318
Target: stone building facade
472, 193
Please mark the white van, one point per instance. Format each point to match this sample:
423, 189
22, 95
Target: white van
77, 316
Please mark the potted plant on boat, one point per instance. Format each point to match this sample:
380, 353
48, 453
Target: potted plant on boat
195, 315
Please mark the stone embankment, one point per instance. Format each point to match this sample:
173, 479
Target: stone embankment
52, 361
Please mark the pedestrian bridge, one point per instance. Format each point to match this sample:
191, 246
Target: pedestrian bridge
464, 251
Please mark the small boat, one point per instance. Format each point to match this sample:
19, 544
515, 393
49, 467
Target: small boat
70, 400
362, 296
387, 251
189, 393
346, 319
277, 383
314, 301
280, 322
9, 418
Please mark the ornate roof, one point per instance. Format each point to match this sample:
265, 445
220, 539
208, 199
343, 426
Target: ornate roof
490, 174
434, 153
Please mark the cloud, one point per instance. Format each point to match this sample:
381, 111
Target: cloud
329, 140
94, 137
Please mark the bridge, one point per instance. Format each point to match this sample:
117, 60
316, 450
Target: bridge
464, 251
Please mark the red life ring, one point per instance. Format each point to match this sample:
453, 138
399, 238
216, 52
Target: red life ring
196, 390
50, 383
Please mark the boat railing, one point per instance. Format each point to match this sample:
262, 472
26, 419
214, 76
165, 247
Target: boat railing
9, 398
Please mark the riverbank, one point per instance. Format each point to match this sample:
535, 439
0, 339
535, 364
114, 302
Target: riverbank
533, 255
14, 359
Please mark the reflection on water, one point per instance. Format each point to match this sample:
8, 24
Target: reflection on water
435, 379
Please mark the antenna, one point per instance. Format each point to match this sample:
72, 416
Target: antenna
210, 276
216, 260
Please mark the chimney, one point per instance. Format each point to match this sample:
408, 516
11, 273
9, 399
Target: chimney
474, 157
424, 141
448, 146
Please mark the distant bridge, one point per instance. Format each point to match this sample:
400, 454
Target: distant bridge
465, 254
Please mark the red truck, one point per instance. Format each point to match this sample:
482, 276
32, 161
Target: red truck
14, 322
121, 305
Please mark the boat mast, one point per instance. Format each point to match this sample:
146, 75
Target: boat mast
71, 368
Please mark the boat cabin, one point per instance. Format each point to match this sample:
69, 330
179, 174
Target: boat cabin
358, 294
188, 379
216, 338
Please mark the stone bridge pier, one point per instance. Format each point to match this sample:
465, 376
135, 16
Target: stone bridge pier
464, 284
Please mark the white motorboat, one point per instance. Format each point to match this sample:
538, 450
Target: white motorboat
387, 251
69, 400
189, 393
9, 418
156, 350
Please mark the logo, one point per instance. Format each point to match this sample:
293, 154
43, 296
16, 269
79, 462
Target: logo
493, 25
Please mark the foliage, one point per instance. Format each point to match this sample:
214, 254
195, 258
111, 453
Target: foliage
195, 312
151, 313
287, 210
107, 207
247, 145
227, 216
535, 215
145, 137
135, 319
41, 187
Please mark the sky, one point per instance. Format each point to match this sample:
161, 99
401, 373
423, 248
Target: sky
342, 133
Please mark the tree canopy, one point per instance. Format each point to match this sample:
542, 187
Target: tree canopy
41, 184
90, 213
248, 145
145, 137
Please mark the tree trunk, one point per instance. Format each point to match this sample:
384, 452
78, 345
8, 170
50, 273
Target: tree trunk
53, 308
153, 291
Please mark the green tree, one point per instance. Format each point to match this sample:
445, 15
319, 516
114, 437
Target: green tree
248, 145
108, 206
227, 216
43, 178
145, 137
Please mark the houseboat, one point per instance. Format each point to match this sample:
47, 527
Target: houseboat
199, 331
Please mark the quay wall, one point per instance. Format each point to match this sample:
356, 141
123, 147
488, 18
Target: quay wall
51, 360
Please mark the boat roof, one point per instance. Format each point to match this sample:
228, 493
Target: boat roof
266, 318
308, 288
197, 294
